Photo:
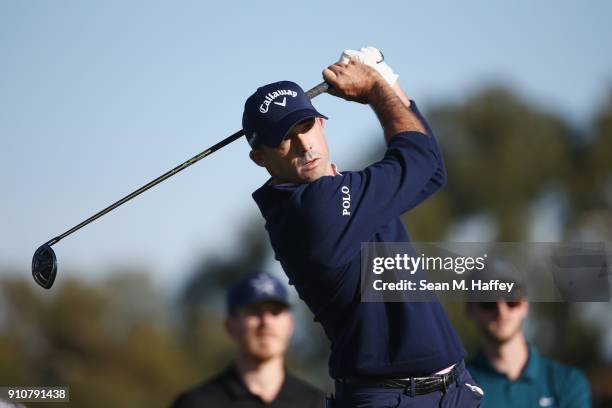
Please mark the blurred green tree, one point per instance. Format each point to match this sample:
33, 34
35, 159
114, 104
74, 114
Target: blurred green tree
74, 336
500, 153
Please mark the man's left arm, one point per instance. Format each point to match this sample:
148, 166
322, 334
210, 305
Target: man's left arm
372, 57
439, 178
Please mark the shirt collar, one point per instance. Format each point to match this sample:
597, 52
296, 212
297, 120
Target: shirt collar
481, 361
289, 391
270, 182
530, 371
270, 192
234, 383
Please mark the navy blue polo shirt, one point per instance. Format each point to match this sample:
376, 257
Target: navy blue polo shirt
542, 383
318, 245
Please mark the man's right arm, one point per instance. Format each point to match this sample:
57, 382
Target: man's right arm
393, 114
344, 211
358, 82
354, 81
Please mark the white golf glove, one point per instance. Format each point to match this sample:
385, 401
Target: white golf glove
371, 57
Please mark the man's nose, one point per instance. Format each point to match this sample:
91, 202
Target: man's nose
266, 317
502, 308
303, 142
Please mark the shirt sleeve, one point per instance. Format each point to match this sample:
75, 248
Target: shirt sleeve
343, 211
439, 178
576, 392
437, 181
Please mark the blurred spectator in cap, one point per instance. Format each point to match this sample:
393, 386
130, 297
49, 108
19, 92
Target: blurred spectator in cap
259, 321
509, 369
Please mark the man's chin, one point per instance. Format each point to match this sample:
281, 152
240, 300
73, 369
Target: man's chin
501, 337
264, 355
314, 175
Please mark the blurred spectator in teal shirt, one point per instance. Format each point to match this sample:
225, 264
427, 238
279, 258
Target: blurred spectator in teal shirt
512, 372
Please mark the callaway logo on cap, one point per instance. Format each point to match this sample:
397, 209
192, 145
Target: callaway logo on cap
263, 108
271, 112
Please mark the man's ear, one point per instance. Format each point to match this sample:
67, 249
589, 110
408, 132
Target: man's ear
292, 324
257, 157
525, 306
321, 121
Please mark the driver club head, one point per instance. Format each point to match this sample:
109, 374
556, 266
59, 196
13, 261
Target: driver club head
44, 266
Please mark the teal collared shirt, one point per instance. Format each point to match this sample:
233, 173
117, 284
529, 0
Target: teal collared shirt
543, 383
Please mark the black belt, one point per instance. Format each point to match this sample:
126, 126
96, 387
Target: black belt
412, 385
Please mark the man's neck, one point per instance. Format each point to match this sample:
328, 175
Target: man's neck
510, 357
264, 379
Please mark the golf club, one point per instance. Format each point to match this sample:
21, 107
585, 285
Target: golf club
44, 261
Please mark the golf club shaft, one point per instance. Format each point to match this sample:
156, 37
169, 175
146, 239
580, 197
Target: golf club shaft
317, 90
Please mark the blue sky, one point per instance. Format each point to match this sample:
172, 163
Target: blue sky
97, 98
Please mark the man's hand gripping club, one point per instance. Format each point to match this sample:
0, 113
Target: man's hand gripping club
358, 82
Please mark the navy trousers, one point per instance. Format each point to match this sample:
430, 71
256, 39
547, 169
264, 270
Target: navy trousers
463, 393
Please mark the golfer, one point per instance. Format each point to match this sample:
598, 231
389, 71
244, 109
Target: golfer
317, 216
